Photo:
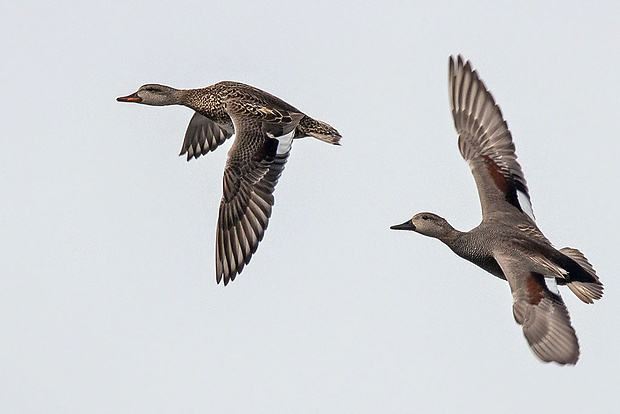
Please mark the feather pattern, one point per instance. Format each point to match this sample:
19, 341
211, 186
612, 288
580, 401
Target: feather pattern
204, 135
542, 313
587, 291
485, 142
508, 243
255, 163
264, 126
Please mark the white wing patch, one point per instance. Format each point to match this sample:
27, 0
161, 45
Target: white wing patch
525, 204
552, 285
285, 142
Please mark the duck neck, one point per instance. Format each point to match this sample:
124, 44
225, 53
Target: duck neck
451, 237
180, 97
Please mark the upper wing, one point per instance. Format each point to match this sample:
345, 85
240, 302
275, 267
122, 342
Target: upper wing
203, 135
255, 163
242, 92
545, 319
486, 143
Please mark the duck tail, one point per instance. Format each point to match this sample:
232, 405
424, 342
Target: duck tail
584, 282
317, 129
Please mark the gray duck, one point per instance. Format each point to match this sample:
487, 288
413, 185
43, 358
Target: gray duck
264, 126
508, 243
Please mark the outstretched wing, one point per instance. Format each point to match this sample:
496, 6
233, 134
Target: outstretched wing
486, 143
255, 163
203, 135
545, 319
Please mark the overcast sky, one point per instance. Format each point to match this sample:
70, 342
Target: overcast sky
108, 300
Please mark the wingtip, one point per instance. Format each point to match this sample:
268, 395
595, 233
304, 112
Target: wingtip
223, 278
454, 60
458, 62
189, 155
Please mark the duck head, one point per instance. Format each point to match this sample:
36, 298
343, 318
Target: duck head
428, 224
154, 94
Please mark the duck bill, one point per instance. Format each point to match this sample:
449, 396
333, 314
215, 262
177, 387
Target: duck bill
407, 225
130, 98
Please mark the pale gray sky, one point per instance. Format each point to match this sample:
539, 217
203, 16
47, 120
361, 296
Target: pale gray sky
108, 295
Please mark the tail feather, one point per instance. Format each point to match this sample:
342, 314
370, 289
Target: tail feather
317, 129
588, 292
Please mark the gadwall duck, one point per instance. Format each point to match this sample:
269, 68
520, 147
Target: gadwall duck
507, 243
264, 126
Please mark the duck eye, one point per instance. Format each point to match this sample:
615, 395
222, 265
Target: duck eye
425, 217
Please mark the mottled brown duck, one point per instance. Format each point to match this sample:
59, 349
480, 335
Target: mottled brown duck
264, 127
